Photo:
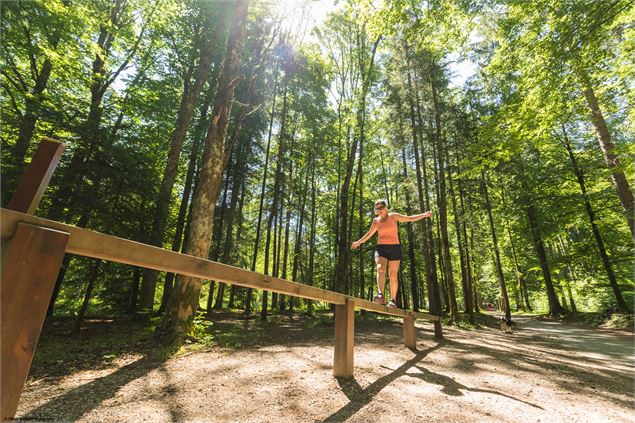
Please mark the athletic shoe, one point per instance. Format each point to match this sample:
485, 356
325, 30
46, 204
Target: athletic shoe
379, 299
392, 304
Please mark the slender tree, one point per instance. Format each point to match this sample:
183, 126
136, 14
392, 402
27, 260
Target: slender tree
190, 95
621, 304
184, 300
499, 267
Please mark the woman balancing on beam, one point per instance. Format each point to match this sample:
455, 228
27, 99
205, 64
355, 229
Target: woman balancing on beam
388, 250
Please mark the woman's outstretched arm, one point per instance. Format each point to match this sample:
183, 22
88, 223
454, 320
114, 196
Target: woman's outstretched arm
371, 231
402, 218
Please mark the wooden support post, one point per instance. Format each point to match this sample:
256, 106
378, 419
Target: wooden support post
30, 263
27, 196
409, 333
344, 339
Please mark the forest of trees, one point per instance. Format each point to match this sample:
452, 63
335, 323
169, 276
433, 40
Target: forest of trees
230, 129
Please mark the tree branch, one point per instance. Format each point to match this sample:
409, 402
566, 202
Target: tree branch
131, 52
13, 102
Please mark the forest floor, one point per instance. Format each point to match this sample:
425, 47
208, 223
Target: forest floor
281, 371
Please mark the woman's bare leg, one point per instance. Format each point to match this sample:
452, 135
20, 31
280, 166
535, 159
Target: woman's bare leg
393, 267
381, 272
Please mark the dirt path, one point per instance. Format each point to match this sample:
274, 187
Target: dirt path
544, 372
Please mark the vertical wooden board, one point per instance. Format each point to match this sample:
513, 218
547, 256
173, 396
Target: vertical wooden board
344, 339
409, 332
38, 174
31, 262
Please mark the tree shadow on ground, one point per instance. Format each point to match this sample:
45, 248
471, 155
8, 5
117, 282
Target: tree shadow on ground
101, 341
81, 400
545, 359
451, 387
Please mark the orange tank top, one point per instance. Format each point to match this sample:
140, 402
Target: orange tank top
388, 232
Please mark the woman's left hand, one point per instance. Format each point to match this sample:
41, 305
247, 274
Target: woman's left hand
427, 214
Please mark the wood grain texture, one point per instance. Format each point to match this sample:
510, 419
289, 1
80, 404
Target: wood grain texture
344, 339
87, 243
30, 264
38, 174
409, 332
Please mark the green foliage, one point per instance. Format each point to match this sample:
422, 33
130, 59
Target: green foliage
508, 124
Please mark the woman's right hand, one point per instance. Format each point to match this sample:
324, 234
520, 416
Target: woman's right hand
355, 244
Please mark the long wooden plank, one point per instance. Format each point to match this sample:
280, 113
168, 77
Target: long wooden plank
87, 243
38, 174
370, 306
30, 264
94, 244
426, 316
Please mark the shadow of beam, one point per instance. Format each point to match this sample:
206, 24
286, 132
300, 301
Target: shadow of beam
359, 397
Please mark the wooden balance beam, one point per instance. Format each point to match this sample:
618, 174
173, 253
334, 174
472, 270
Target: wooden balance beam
28, 240
87, 243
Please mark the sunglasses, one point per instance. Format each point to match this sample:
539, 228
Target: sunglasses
379, 207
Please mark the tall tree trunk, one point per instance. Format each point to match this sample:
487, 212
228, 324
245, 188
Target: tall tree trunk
622, 186
384, 178
467, 299
238, 169
621, 304
414, 280
309, 279
563, 251
338, 186
186, 110
343, 254
445, 303
477, 303
442, 203
282, 299
249, 293
520, 275
298, 237
499, 267
555, 309
277, 236
523, 301
217, 233
282, 302
185, 202
134, 291
349, 281
343, 247
93, 274
278, 181
427, 224
467, 249
183, 302
360, 175
239, 225
428, 254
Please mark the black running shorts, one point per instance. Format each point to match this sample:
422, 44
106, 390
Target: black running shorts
389, 251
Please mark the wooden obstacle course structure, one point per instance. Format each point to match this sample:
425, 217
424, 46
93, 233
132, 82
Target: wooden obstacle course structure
27, 288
